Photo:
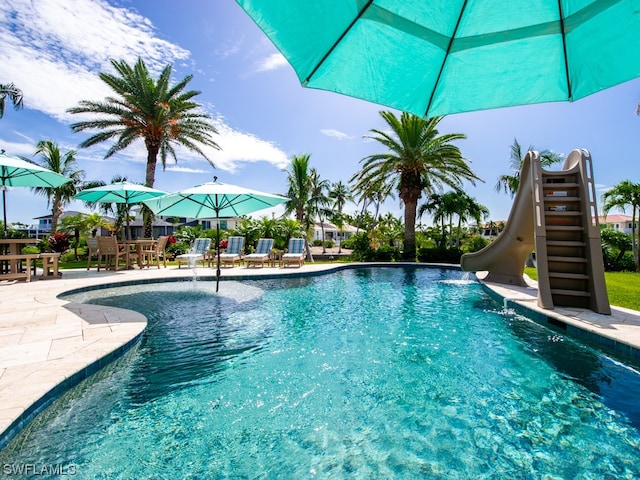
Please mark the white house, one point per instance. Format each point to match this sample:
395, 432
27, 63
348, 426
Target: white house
616, 221
331, 232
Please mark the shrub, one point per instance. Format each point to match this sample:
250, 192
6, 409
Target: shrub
439, 255
176, 249
317, 243
329, 244
362, 251
386, 254
474, 244
348, 243
59, 242
613, 262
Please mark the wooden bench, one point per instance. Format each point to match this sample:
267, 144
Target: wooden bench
14, 260
50, 265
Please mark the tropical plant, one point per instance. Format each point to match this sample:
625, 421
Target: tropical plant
419, 160
164, 116
622, 195
511, 182
319, 201
300, 203
59, 242
14, 94
77, 225
49, 155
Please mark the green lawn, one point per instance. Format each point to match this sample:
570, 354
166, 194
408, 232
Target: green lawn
623, 287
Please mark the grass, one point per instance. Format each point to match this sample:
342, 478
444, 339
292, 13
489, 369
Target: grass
623, 287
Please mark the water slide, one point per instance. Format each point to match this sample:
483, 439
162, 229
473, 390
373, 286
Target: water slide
555, 214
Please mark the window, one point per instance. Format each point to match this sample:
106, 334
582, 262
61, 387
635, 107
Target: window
223, 225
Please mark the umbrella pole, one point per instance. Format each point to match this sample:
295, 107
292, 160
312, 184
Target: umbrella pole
217, 253
4, 211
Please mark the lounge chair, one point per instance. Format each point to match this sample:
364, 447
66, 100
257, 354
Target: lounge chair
262, 253
295, 252
233, 253
199, 252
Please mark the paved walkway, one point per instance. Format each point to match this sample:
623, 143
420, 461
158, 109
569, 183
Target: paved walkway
48, 344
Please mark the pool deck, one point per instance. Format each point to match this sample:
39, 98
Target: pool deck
48, 344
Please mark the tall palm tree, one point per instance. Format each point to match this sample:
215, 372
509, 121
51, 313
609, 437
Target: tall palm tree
340, 194
318, 201
49, 156
162, 115
622, 195
300, 194
299, 190
469, 208
13, 93
419, 160
511, 182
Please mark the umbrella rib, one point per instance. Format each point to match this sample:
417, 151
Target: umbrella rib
337, 42
446, 56
564, 50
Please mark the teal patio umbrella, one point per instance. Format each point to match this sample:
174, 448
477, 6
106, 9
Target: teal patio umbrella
119, 192
440, 57
16, 172
213, 200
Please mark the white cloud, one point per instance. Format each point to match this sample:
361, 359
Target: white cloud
239, 147
53, 50
185, 169
272, 62
336, 134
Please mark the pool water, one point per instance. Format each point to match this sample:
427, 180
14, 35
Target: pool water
367, 373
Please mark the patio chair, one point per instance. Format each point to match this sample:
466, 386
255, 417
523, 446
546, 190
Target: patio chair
93, 250
109, 249
262, 253
295, 253
154, 251
199, 252
233, 253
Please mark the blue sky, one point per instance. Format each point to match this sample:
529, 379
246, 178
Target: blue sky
53, 50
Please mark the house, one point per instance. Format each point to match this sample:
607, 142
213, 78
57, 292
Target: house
331, 232
161, 225
619, 222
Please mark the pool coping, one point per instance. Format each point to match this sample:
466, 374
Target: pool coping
49, 344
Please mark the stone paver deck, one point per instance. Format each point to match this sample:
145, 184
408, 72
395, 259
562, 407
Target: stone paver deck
48, 344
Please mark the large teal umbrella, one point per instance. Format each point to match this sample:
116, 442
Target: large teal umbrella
440, 57
119, 192
213, 200
16, 172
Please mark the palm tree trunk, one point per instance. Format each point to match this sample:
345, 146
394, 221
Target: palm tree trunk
409, 250
150, 179
56, 213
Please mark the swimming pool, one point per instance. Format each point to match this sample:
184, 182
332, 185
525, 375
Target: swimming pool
367, 373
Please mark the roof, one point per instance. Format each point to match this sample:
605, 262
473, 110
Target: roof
614, 218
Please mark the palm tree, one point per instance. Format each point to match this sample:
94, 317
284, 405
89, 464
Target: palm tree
469, 208
511, 182
622, 195
52, 158
340, 194
419, 161
14, 94
318, 202
299, 191
162, 115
